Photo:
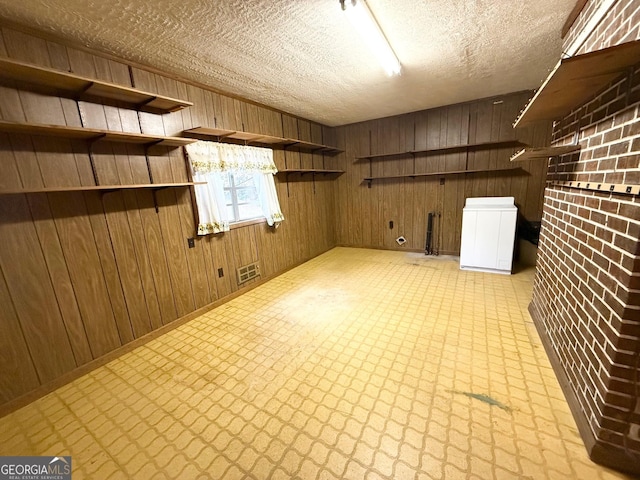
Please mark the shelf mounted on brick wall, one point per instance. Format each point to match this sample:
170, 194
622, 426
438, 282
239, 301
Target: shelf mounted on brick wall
577, 79
543, 153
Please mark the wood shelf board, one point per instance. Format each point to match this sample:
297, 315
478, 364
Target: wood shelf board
75, 86
92, 134
44, 77
210, 132
500, 144
223, 135
543, 152
144, 139
626, 189
248, 137
443, 174
115, 92
577, 79
291, 142
309, 170
275, 141
94, 188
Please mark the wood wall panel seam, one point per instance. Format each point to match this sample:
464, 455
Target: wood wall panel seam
152, 245
60, 278
476, 122
42, 389
21, 258
19, 374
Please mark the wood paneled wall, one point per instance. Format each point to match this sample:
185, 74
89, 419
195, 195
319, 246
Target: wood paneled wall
364, 213
82, 274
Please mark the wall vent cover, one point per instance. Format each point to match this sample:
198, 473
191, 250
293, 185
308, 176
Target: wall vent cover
248, 272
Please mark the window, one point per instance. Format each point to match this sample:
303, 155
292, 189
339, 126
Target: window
233, 183
241, 196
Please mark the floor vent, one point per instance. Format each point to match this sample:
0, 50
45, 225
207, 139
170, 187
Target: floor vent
248, 272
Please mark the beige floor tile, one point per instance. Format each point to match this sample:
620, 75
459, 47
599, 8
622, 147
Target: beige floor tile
358, 364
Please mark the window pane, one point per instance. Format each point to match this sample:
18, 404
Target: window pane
226, 179
241, 195
230, 213
243, 179
245, 195
250, 210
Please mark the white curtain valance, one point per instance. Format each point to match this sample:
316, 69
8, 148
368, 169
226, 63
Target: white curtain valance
220, 157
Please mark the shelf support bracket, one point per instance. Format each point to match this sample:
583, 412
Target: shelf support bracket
148, 145
92, 162
95, 139
155, 196
576, 136
629, 85
92, 159
146, 157
106, 192
146, 102
85, 89
287, 145
221, 137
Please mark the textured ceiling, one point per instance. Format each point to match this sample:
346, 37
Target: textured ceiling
304, 58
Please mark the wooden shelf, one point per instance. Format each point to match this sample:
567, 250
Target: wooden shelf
232, 136
309, 146
65, 84
576, 80
442, 174
627, 189
93, 188
314, 171
92, 134
468, 146
543, 153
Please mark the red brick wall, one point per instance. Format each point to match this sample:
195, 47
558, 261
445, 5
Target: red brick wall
621, 24
586, 300
579, 24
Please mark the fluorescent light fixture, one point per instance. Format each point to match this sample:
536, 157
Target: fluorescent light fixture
365, 23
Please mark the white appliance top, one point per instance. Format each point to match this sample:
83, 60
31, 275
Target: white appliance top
490, 202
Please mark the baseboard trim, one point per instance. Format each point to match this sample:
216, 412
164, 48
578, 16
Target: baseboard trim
599, 452
398, 249
42, 390
586, 433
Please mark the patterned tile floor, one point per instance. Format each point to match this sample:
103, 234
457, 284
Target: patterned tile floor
359, 364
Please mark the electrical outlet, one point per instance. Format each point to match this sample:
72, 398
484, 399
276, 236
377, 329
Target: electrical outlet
220, 273
191, 242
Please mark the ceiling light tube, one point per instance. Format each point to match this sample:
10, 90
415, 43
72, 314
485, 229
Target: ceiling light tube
365, 23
